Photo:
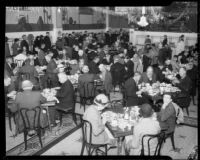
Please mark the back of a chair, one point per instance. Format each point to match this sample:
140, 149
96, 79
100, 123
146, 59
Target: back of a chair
160, 138
26, 118
19, 62
87, 131
25, 76
87, 90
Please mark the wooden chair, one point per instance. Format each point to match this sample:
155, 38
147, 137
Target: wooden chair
35, 125
160, 137
68, 111
87, 141
87, 93
19, 62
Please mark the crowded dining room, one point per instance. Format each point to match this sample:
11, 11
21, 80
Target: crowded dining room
102, 81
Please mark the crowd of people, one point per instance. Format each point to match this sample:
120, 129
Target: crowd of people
109, 57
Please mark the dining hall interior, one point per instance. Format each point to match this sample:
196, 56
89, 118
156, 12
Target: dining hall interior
102, 81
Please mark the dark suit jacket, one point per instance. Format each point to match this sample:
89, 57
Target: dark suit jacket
130, 67
130, 91
85, 80
47, 42
29, 99
108, 82
66, 96
167, 118
51, 73
41, 57
118, 72
146, 61
93, 68
145, 79
24, 43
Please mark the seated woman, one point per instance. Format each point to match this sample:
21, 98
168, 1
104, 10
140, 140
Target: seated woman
92, 114
106, 77
28, 99
147, 125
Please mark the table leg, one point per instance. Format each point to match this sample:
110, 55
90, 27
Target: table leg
47, 109
119, 145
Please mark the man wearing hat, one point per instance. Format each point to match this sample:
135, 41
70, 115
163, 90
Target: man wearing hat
92, 114
147, 125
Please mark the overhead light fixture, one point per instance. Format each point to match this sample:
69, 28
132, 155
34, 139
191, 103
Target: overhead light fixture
59, 9
143, 22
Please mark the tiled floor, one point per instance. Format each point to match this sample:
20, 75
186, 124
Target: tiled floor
185, 138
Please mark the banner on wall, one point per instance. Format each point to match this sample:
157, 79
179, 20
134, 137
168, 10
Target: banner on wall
85, 10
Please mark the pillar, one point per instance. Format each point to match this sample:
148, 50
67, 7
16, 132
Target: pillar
57, 23
107, 18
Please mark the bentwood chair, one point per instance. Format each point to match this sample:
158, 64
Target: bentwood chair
160, 137
31, 124
19, 63
69, 111
87, 140
87, 92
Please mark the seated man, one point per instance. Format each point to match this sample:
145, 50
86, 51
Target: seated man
147, 125
131, 91
93, 67
92, 114
167, 115
185, 85
28, 99
65, 96
148, 76
117, 71
66, 93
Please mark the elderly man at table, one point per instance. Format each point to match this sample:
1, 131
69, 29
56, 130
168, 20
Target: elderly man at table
167, 115
28, 99
147, 125
65, 96
131, 91
92, 114
148, 76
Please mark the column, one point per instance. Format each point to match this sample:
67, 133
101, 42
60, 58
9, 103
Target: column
57, 23
107, 18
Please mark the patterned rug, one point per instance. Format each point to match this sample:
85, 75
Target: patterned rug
33, 144
190, 121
